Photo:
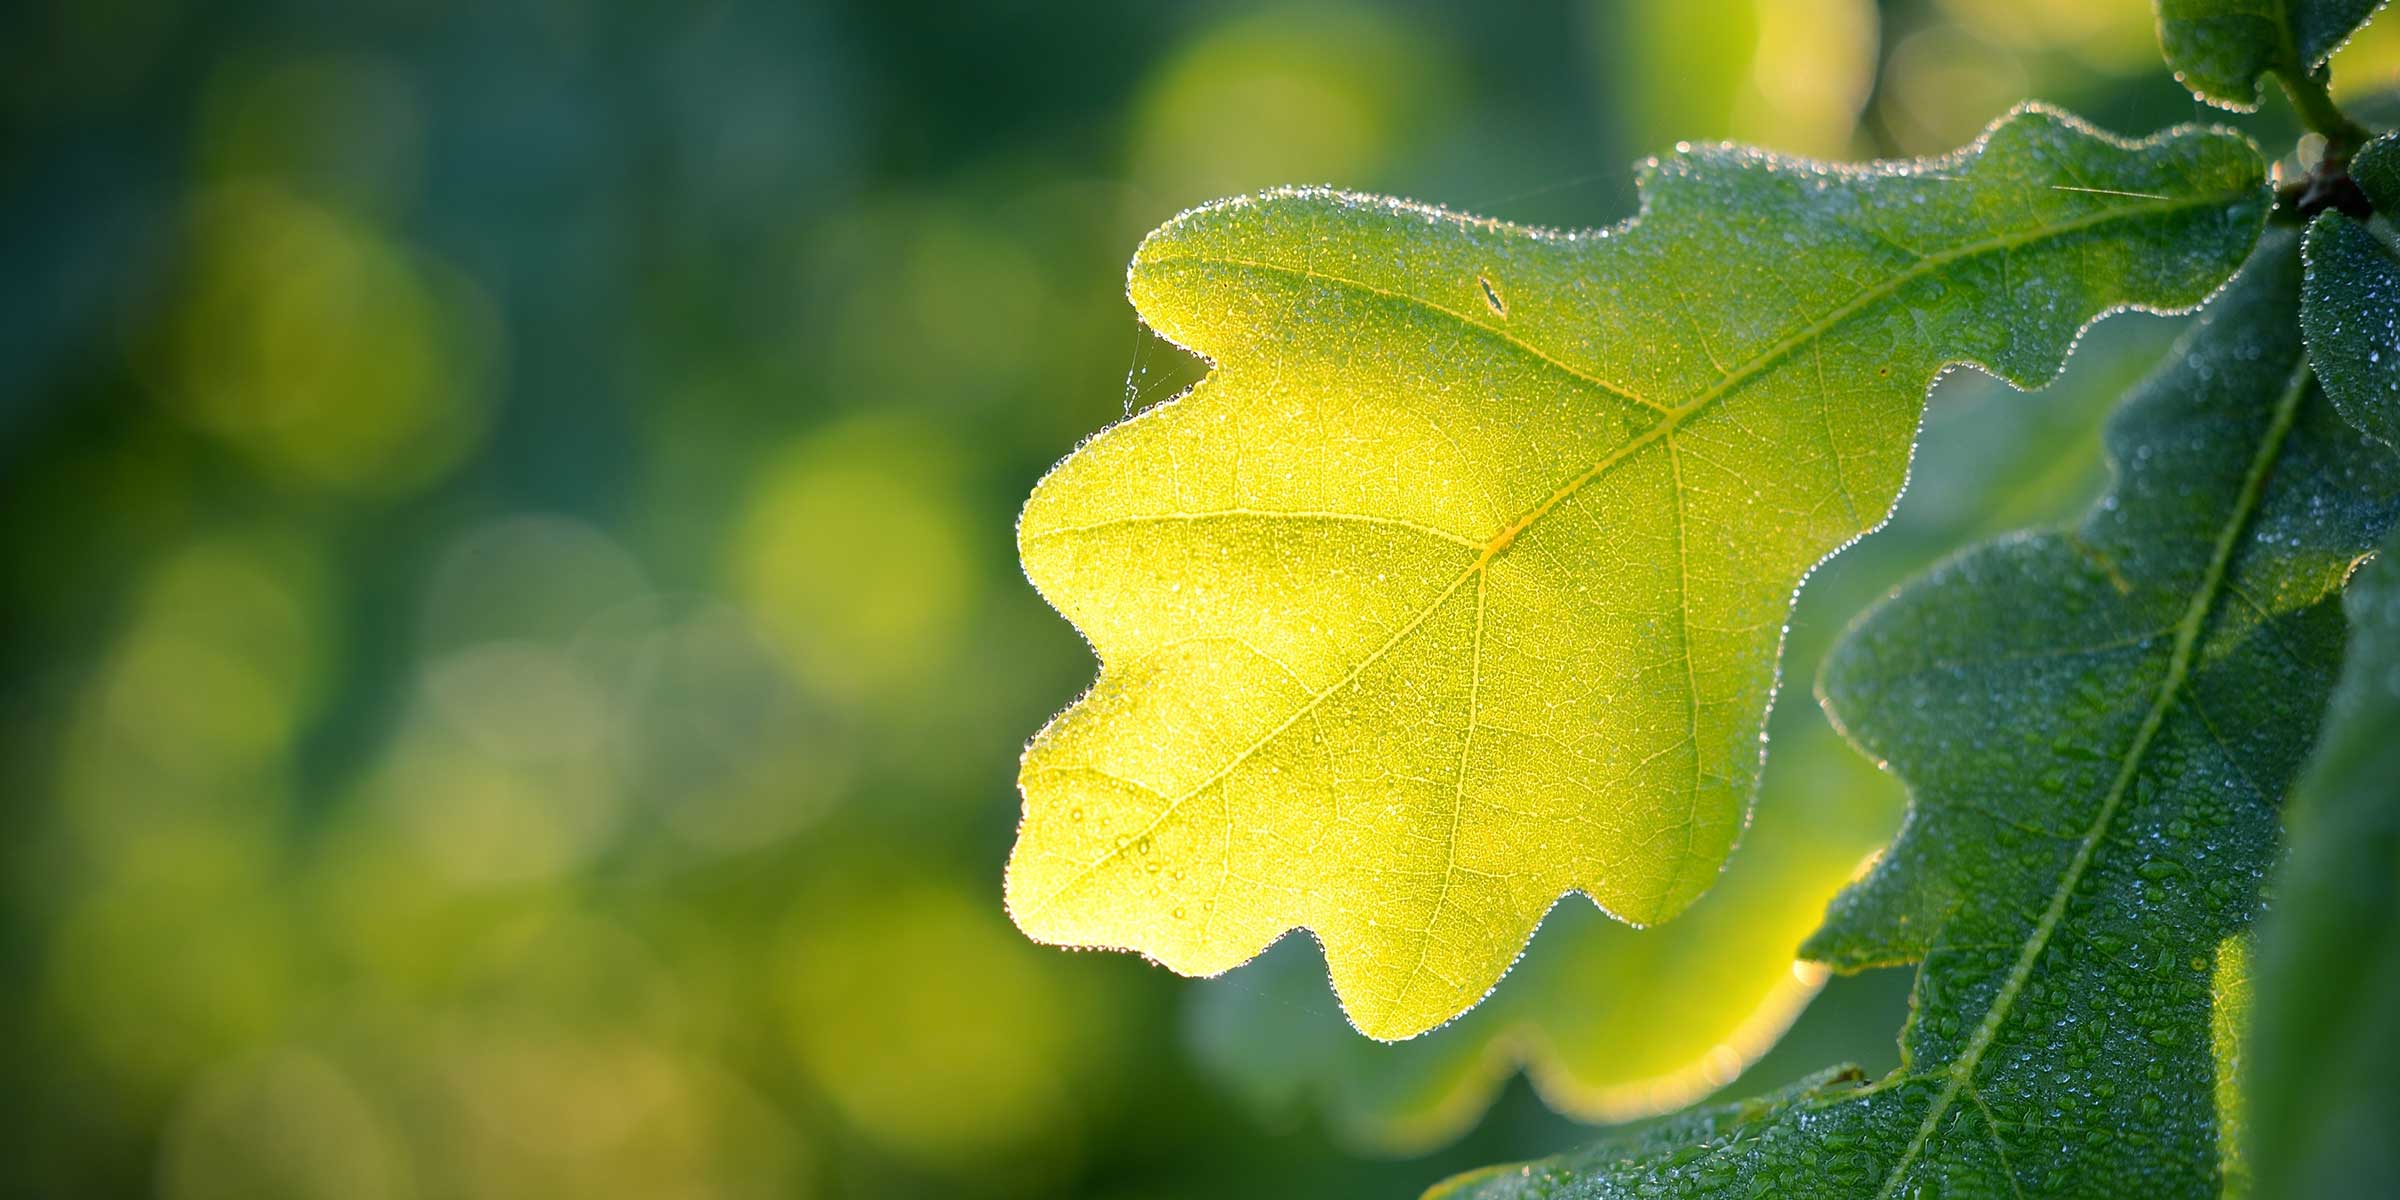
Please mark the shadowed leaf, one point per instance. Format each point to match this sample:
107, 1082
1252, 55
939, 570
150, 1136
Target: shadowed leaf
2376, 167
2220, 48
2325, 1046
2350, 306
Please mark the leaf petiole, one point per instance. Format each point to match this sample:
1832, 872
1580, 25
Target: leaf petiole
2320, 114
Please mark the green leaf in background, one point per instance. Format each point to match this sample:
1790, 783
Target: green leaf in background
2376, 167
1610, 1023
2325, 1049
2220, 48
1457, 584
2350, 306
2097, 727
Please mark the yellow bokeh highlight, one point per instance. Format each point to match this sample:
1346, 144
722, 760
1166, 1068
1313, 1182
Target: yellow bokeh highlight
187, 720
2106, 37
503, 770
170, 948
928, 304
1944, 79
328, 355
526, 577
485, 818
285, 1125
551, 1112
1298, 94
1787, 75
1942, 84
725, 746
920, 1014
388, 914
855, 557
168, 966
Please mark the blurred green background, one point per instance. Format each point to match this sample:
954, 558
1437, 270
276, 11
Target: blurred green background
515, 660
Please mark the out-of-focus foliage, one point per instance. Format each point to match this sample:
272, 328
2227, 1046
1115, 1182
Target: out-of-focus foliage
1284, 95
508, 542
2324, 1068
1787, 75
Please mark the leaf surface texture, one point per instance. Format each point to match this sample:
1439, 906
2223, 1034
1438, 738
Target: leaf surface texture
2350, 306
1610, 1022
2376, 167
2325, 1050
1458, 583
2097, 727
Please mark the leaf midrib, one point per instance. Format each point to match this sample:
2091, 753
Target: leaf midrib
1960, 1071
1670, 419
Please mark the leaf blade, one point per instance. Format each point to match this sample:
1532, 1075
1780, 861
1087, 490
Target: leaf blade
2220, 48
2325, 1049
1610, 1023
1338, 533
2376, 167
2350, 306
2061, 1041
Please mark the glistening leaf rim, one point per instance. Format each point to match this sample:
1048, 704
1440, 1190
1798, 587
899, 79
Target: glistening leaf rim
1027, 910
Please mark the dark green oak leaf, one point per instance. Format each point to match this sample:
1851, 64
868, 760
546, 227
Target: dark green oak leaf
2097, 727
2324, 1063
1458, 583
2350, 306
2376, 167
2220, 48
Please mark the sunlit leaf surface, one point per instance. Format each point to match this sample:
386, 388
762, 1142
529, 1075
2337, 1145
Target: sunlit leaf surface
1610, 1022
2098, 728
1458, 584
